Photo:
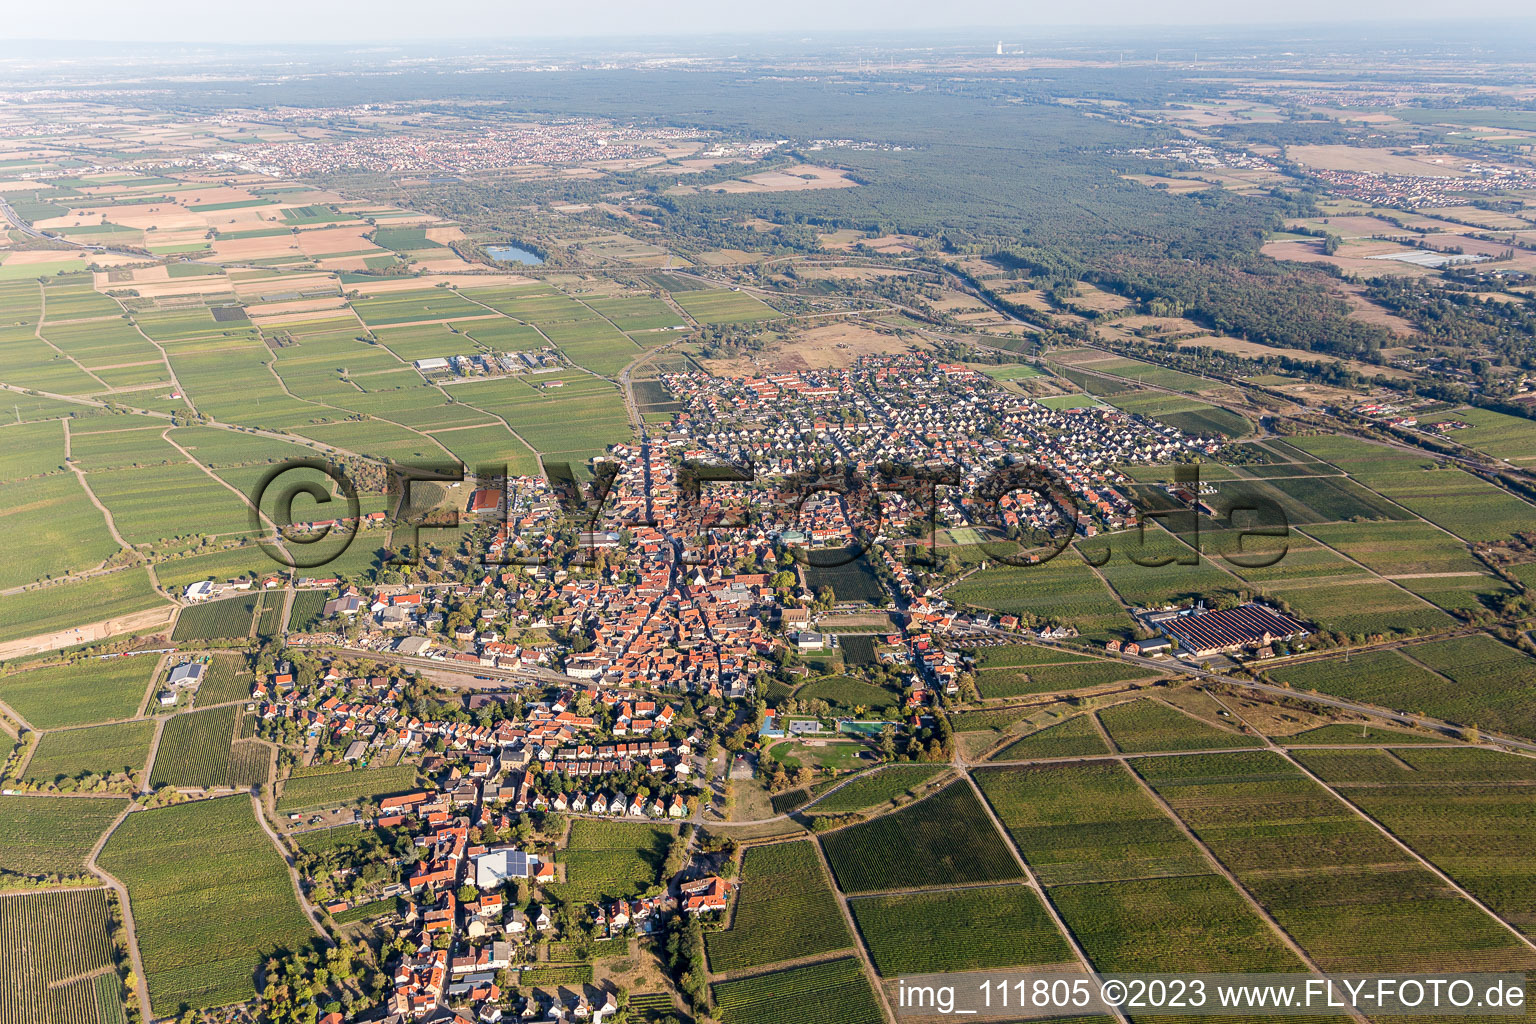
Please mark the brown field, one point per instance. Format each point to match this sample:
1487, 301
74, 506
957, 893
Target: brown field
799, 178
1171, 184
1377, 161
728, 257
248, 286
269, 310
844, 239
269, 247
848, 273
321, 241
836, 344
1350, 226
1307, 252
1490, 219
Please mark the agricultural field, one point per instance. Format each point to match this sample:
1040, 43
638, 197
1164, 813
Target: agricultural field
1076, 737
722, 306
613, 858
52, 529
345, 787
227, 618
211, 899
1061, 589
946, 839
1468, 680
1144, 726
1180, 923
834, 992
848, 692
1471, 820
1461, 503
1056, 678
98, 749
875, 788
195, 749
785, 909
48, 937
78, 693
1352, 899
43, 835
1088, 821
963, 930
227, 678
66, 605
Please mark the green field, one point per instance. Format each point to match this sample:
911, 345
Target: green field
227, 618
1148, 725
945, 839
965, 930
52, 529
62, 606
1087, 822
1073, 738
1350, 898
875, 788
49, 937
1468, 680
722, 306
345, 787
211, 899
1183, 923
1053, 678
195, 749
848, 692
79, 693
613, 859
1060, 590
1477, 830
785, 910
41, 835
835, 992
101, 749
1465, 505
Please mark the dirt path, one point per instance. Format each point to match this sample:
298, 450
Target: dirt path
141, 991
154, 752
293, 872
1034, 883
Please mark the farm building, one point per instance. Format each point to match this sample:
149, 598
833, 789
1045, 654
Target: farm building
435, 365
1203, 632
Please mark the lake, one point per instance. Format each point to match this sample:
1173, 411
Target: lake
512, 254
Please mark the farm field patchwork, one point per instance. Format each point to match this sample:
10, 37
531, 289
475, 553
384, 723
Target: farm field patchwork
613, 858
41, 835
78, 693
1350, 898
195, 749
834, 992
946, 838
964, 930
1468, 680
785, 909
1088, 821
211, 899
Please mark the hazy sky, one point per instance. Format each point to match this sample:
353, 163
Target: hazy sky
344, 21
